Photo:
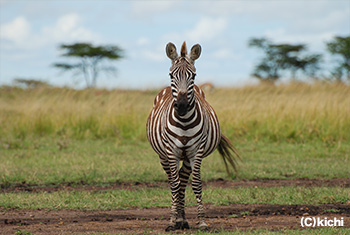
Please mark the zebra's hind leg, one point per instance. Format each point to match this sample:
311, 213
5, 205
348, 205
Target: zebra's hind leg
197, 189
185, 171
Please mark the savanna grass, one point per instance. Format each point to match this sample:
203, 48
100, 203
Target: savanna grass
80, 114
52, 161
294, 112
160, 197
55, 135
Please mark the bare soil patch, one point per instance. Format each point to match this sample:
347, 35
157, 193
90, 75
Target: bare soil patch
154, 220
345, 183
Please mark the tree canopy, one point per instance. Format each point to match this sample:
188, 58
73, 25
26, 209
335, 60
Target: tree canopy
341, 46
283, 57
90, 60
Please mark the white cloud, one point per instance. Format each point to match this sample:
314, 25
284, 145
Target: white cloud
153, 55
333, 21
222, 54
145, 9
314, 40
17, 31
68, 28
204, 31
4, 2
299, 16
142, 41
67, 23
207, 29
271, 10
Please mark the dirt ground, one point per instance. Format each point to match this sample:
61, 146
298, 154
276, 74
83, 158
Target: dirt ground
344, 183
154, 220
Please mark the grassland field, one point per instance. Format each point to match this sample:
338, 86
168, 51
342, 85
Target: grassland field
294, 113
59, 136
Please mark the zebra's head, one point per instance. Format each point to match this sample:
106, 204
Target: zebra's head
182, 74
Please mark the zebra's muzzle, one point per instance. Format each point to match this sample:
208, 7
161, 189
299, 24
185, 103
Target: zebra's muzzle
181, 104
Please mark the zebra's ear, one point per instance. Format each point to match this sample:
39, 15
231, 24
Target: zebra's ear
171, 51
195, 52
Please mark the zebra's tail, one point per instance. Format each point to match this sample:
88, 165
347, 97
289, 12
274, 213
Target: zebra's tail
229, 154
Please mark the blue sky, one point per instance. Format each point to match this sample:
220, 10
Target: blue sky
31, 30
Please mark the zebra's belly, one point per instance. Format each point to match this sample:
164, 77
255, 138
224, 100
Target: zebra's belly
185, 147
182, 147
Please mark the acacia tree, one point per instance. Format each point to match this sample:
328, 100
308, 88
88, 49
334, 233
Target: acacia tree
341, 46
283, 57
30, 83
92, 60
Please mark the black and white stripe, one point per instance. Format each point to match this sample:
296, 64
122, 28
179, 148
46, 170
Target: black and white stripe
183, 127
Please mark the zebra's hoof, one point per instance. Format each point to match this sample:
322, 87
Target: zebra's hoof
185, 225
203, 226
170, 228
182, 225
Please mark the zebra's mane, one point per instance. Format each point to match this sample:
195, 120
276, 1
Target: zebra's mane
183, 50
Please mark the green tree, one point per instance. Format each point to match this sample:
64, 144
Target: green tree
91, 60
341, 46
283, 57
30, 83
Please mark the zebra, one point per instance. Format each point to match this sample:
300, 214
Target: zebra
182, 126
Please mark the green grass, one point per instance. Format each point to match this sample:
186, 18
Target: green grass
161, 197
43, 161
22, 232
55, 135
51, 136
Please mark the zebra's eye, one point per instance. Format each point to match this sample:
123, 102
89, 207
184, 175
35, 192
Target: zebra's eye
171, 76
194, 76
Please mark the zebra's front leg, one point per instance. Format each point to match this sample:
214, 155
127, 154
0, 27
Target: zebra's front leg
185, 172
197, 189
174, 180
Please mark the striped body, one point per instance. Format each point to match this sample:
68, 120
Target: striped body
182, 137
183, 127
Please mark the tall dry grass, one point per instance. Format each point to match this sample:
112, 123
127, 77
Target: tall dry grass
74, 113
294, 112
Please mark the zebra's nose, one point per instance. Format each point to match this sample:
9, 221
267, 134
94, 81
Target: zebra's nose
182, 104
